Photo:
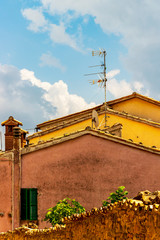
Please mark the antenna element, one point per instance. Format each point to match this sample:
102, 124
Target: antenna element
102, 78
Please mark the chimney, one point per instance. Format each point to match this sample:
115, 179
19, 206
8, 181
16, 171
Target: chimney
10, 124
16, 138
116, 129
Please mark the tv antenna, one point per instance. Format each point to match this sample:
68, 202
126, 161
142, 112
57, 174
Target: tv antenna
102, 75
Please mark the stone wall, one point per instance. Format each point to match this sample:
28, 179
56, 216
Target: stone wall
128, 219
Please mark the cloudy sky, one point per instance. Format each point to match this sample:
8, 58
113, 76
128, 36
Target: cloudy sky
45, 50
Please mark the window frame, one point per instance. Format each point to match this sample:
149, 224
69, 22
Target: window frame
29, 206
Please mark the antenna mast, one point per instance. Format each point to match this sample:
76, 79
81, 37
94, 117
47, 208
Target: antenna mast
103, 79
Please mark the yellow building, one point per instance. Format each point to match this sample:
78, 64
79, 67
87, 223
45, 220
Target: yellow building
134, 117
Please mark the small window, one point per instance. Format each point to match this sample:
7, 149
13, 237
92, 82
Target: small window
10, 128
29, 204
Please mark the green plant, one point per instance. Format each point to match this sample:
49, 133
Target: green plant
116, 196
63, 208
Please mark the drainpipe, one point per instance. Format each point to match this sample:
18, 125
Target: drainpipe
17, 175
12, 192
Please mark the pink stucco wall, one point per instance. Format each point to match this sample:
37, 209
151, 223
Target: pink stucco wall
88, 168
5, 195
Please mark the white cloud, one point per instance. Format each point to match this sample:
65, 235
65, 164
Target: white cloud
138, 86
32, 101
57, 32
65, 102
17, 98
29, 75
57, 95
119, 88
112, 73
48, 60
59, 35
135, 22
122, 88
38, 21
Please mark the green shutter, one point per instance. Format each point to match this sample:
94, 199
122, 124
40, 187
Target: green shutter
32, 204
24, 204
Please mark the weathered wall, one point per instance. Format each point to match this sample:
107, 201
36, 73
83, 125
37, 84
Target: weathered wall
87, 169
128, 220
5, 194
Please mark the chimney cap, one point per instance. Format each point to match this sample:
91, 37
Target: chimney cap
11, 121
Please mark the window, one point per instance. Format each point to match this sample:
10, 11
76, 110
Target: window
29, 204
10, 128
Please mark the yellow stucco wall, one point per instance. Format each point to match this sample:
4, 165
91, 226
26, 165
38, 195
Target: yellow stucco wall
139, 107
137, 131
61, 132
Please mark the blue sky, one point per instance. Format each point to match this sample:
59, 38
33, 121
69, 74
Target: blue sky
45, 50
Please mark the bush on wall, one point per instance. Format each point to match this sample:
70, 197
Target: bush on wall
63, 208
116, 196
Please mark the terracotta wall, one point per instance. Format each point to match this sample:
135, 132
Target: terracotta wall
121, 221
87, 169
5, 194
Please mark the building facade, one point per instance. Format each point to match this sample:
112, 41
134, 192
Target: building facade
86, 165
68, 157
137, 117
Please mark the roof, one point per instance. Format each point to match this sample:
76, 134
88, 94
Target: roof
10, 121
97, 133
68, 122
98, 108
134, 95
70, 116
24, 131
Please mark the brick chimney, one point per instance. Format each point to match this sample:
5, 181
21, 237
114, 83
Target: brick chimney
9, 125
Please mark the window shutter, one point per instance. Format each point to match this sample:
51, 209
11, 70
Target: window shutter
24, 204
32, 204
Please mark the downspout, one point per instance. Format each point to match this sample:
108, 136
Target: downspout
20, 179
17, 175
13, 192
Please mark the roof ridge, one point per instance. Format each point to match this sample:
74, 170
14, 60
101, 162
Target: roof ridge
70, 115
88, 130
134, 94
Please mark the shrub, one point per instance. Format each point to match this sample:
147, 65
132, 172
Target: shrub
116, 196
63, 208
